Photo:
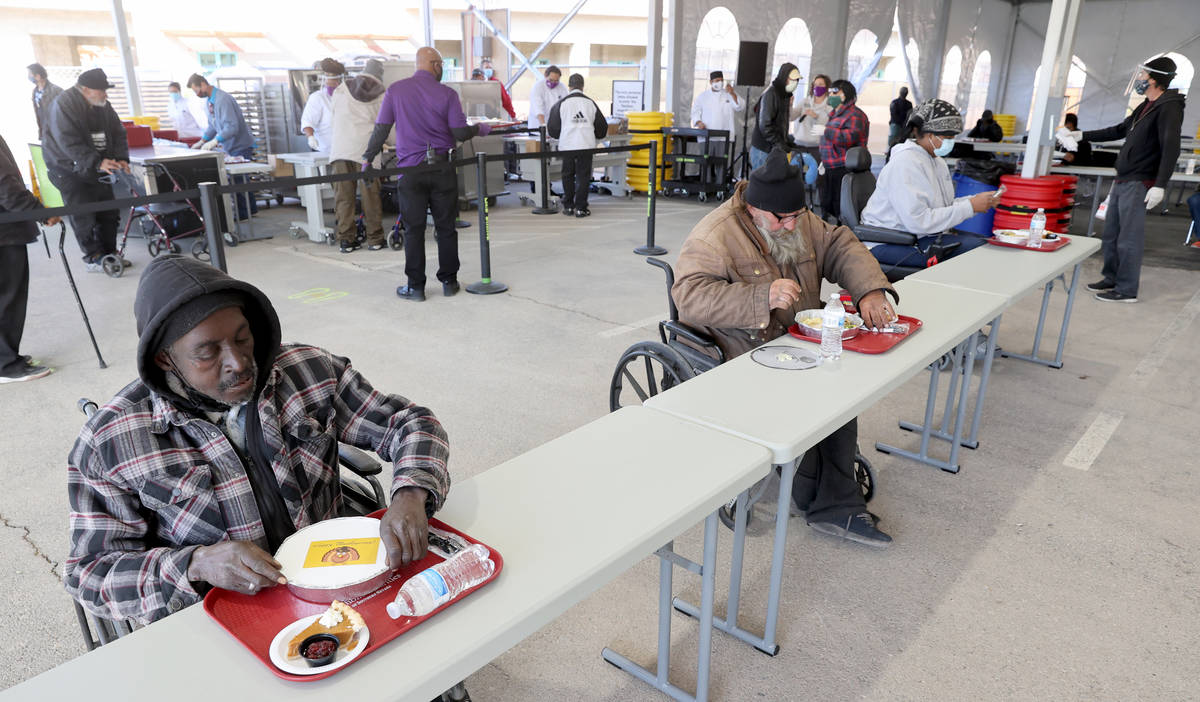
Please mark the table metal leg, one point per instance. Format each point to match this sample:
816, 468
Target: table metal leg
964, 351
660, 679
1072, 288
765, 643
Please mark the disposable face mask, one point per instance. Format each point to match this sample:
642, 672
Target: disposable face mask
551, 83
945, 149
487, 73
717, 86
33, 79
835, 100
819, 90
176, 97
791, 86
1141, 86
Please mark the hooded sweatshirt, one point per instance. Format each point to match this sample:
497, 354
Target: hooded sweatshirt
356, 104
156, 474
1151, 134
915, 194
774, 112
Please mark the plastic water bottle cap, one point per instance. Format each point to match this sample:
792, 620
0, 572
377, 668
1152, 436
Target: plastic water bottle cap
394, 610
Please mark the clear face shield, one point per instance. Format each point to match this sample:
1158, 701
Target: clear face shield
1139, 80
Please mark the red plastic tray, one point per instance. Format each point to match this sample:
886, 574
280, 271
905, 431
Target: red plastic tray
1052, 245
254, 620
866, 341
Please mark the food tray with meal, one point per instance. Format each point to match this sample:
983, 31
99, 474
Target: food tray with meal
334, 609
1019, 239
855, 337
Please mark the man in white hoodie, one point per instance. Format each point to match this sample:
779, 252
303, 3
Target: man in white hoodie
915, 193
577, 123
356, 105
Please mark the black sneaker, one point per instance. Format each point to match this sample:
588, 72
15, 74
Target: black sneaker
860, 528
568, 211
1114, 296
1101, 286
27, 372
408, 292
583, 213
376, 247
350, 246
451, 288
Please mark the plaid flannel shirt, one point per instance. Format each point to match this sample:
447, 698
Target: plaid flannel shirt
148, 483
847, 127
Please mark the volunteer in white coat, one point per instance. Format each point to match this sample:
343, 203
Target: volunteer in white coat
317, 119
713, 109
915, 193
181, 115
577, 123
356, 104
544, 95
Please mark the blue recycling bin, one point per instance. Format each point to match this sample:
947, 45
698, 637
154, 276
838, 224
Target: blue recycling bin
981, 223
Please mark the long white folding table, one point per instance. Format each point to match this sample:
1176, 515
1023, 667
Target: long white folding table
788, 412
567, 517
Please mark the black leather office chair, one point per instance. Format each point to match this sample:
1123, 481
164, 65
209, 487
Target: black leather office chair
857, 186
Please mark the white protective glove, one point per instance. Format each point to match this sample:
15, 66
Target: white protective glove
312, 143
1068, 139
209, 145
1154, 196
197, 144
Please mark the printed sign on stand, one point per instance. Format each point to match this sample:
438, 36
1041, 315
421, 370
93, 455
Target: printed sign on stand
627, 97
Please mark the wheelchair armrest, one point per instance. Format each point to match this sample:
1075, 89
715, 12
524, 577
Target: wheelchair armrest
883, 235
698, 338
358, 461
942, 250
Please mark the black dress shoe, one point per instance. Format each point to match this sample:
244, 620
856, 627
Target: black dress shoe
583, 213
568, 211
408, 292
451, 289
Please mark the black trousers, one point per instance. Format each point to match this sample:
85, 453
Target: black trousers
437, 192
825, 487
831, 192
14, 295
576, 179
96, 232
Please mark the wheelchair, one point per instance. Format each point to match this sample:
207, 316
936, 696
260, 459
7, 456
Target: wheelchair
362, 494
683, 352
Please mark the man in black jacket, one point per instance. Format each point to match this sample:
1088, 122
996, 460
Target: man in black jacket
897, 117
774, 112
84, 143
14, 272
986, 127
1144, 167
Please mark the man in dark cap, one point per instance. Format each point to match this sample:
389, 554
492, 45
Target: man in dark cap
1144, 167
986, 127
192, 476
84, 146
745, 271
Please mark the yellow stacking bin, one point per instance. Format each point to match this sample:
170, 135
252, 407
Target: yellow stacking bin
151, 121
1008, 123
645, 127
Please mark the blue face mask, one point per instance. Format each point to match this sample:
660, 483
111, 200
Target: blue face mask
945, 149
176, 97
1140, 86
487, 73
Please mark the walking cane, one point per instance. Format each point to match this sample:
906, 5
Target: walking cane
62, 237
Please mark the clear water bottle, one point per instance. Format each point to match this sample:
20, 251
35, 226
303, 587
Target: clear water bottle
832, 320
1037, 229
433, 587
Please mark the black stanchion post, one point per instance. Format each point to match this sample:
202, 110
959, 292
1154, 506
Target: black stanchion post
210, 208
485, 286
544, 181
652, 189
62, 236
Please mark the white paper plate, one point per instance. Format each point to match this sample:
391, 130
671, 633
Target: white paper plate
293, 550
298, 666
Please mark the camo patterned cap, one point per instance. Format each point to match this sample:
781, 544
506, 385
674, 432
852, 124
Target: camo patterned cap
936, 116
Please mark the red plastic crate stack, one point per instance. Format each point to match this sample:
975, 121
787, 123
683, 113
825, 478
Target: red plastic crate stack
1023, 196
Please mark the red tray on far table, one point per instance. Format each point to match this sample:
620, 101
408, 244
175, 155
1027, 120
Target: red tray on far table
254, 620
1047, 245
865, 341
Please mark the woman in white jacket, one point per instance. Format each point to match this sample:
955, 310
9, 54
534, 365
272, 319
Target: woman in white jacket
915, 193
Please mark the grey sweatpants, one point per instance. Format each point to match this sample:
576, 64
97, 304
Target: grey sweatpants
1125, 236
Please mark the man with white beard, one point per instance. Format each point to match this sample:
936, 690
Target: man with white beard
745, 271
84, 145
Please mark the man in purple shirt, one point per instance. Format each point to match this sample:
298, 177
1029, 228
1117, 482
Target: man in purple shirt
429, 121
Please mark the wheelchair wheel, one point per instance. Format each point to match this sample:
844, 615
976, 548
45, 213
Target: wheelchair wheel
396, 239
864, 475
200, 251
112, 266
646, 369
154, 247
173, 247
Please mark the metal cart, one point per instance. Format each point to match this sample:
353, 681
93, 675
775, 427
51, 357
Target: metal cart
710, 155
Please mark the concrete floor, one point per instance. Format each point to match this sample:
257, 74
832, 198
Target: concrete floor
1019, 578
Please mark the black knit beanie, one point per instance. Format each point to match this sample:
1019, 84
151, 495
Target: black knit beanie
776, 186
185, 319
